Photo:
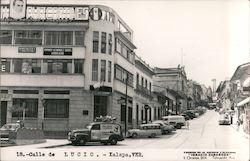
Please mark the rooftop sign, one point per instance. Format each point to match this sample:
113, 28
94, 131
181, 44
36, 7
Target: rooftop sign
18, 10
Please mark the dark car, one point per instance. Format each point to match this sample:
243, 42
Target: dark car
185, 116
103, 132
190, 114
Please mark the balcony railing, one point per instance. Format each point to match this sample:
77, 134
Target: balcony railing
142, 90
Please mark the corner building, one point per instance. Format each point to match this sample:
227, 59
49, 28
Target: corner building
64, 65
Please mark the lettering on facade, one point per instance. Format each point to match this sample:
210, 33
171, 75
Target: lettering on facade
26, 50
95, 14
46, 13
57, 51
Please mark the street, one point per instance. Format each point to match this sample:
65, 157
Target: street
204, 133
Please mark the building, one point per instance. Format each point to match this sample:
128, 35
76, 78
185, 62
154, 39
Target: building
64, 65
175, 81
223, 98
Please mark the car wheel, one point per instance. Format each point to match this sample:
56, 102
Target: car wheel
81, 141
153, 135
134, 135
74, 142
167, 131
105, 142
178, 126
113, 141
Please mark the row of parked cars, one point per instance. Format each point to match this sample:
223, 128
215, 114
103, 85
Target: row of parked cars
109, 132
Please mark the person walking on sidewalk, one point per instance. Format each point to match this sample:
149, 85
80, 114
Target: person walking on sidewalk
187, 124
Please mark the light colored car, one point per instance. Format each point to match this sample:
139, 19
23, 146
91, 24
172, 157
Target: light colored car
176, 120
165, 127
224, 120
145, 130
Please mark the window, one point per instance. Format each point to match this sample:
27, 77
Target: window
78, 66
95, 70
109, 71
137, 79
121, 74
129, 114
141, 114
103, 70
150, 86
137, 114
79, 38
27, 66
30, 106
118, 45
103, 42
96, 127
5, 66
146, 83
95, 42
56, 108
142, 81
28, 37
110, 44
57, 66
58, 37
5, 37
123, 112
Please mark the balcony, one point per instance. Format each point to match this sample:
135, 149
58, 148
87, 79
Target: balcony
143, 91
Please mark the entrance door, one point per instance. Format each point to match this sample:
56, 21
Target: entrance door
100, 106
3, 111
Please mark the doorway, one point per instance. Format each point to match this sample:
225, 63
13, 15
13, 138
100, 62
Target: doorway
100, 106
3, 111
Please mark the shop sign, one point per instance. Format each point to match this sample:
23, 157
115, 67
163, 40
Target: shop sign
95, 14
26, 50
5, 97
246, 88
57, 51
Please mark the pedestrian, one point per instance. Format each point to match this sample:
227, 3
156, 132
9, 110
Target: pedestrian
187, 124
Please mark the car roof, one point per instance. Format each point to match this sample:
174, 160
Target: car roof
172, 116
151, 124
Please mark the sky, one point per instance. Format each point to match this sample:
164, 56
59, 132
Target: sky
209, 37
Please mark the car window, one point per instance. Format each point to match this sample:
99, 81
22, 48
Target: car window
96, 127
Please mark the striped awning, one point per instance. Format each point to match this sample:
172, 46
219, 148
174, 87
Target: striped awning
243, 102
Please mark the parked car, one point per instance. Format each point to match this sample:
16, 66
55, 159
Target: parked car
190, 114
104, 132
145, 130
6, 130
186, 116
224, 120
165, 128
176, 120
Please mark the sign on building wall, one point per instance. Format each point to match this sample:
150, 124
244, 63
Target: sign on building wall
17, 9
26, 50
57, 51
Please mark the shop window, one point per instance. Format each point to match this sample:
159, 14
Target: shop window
58, 37
30, 106
56, 108
103, 70
103, 42
78, 64
5, 37
5, 66
28, 37
57, 66
95, 42
109, 71
110, 44
95, 70
79, 38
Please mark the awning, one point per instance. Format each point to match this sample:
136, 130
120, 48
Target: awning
243, 102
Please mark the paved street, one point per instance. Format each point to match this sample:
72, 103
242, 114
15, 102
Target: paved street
204, 133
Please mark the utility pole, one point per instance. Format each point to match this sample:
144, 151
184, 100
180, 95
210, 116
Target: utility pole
126, 104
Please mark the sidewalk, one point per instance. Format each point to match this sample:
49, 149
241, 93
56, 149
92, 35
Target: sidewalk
240, 130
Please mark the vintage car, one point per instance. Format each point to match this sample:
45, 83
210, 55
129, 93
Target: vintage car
176, 120
104, 132
224, 119
165, 128
7, 130
145, 130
